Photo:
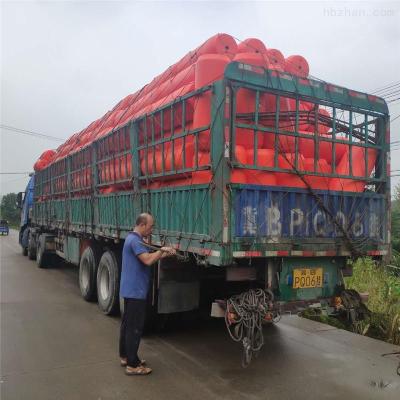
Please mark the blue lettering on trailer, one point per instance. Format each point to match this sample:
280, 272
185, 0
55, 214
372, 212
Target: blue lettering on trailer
278, 212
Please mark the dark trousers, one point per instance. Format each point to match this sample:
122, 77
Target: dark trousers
131, 330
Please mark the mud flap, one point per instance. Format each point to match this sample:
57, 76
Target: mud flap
178, 286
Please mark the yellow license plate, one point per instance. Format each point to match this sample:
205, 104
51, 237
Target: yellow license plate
307, 278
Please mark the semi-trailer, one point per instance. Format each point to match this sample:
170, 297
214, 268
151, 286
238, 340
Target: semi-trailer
259, 177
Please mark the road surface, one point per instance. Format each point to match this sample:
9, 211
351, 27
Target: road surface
55, 346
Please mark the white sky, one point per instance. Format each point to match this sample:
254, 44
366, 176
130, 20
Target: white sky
64, 64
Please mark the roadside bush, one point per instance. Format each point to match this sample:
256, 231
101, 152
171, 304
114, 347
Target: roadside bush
383, 286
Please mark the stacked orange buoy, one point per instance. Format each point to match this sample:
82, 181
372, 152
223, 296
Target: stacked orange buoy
197, 69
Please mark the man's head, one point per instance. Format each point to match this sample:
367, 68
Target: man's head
144, 224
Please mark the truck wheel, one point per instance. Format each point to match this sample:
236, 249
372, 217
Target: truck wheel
31, 247
42, 259
108, 283
88, 273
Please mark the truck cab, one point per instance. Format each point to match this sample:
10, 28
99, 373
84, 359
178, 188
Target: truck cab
25, 203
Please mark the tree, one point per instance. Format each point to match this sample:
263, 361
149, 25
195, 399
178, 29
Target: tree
395, 231
9, 210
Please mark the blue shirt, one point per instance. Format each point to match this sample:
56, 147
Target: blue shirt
135, 276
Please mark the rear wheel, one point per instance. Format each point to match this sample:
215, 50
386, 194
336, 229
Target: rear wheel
88, 274
108, 274
23, 240
31, 247
42, 258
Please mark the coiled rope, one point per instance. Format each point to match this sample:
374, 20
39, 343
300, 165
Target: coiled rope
244, 316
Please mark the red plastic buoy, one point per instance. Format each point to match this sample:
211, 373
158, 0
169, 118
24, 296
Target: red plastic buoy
276, 60
265, 157
48, 155
251, 45
257, 59
324, 121
238, 175
183, 78
358, 169
297, 65
209, 68
221, 43
245, 98
264, 178
287, 161
317, 182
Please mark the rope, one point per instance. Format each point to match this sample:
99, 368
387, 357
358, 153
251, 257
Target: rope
157, 248
244, 316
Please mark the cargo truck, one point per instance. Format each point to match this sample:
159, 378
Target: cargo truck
272, 220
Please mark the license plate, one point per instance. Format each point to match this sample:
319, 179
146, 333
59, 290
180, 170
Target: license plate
307, 278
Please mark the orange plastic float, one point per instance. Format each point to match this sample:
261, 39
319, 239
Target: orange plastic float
276, 60
239, 175
287, 161
358, 169
209, 68
297, 65
251, 45
169, 86
265, 158
220, 43
241, 154
316, 182
199, 68
324, 119
48, 155
246, 99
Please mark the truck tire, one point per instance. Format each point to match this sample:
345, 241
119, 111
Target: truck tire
31, 247
23, 240
88, 274
42, 259
108, 274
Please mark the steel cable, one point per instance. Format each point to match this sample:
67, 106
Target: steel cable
244, 316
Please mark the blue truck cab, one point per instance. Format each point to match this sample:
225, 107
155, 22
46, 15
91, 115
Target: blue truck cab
25, 203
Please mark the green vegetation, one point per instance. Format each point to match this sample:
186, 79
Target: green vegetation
396, 220
383, 286
316, 315
9, 210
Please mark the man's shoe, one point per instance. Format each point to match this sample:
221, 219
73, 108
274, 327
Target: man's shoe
124, 362
139, 370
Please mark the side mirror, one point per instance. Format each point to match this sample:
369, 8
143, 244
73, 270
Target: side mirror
19, 199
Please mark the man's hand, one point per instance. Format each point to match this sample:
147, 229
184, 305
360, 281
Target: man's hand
150, 258
168, 251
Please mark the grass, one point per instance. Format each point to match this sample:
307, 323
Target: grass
383, 286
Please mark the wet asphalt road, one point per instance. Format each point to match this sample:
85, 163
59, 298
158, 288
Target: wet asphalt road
56, 346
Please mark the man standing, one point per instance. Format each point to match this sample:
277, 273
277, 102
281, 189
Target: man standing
135, 280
